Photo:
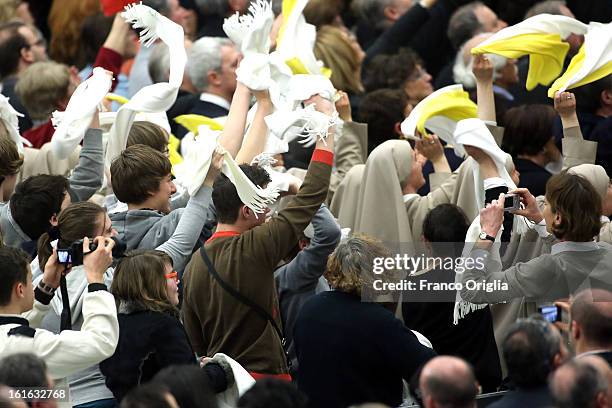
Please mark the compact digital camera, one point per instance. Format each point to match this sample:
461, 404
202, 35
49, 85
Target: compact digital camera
73, 255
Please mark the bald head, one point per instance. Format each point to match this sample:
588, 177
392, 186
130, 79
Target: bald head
591, 313
447, 381
580, 383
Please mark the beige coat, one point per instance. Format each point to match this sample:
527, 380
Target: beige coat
43, 161
351, 150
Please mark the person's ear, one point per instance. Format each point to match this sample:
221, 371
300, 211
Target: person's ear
397, 128
575, 331
245, 212
27, 55
391, 13
20, 290
557, 360
558, 219
53, 220
214, 77
601, 400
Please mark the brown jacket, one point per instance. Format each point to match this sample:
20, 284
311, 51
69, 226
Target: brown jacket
215, 321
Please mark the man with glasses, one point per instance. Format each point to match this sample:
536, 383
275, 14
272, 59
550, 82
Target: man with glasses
21, 45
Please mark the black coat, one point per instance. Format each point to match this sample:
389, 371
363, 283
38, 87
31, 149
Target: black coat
202, 108
533, 176
533, 398
148, 342
352, 352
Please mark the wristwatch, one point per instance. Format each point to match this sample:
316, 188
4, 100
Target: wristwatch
483, 235
49, 290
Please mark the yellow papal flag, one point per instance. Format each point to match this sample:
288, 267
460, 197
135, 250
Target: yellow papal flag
439, 113
593, 61
542, 38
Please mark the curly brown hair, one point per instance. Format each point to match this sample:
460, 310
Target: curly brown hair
350, 266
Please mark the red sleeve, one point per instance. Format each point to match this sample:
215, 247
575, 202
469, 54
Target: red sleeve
110, 60
111, 7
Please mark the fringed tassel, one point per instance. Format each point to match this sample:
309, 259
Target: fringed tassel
145, 18
254, 197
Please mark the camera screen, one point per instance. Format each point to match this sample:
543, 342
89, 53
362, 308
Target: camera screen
64, 256
549, 313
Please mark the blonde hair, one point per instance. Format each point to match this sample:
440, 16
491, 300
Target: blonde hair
41, 86
335, 50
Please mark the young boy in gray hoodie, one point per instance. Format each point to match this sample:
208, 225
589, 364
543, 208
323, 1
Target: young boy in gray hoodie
141, 178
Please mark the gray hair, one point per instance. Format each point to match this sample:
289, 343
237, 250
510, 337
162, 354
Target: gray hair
205, 56
585, 382
546, 7
372, 11
462, 69
159, 63
350, 266
464, 24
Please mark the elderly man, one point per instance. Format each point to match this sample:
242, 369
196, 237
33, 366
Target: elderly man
212, 67
581, 382
533, 349
447, 381
591, 323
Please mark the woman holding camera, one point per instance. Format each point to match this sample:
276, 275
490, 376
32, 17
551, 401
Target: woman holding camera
151, 336
83, 219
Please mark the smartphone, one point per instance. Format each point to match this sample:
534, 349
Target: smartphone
64, 256
551, 313
512, 202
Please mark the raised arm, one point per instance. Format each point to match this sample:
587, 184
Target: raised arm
430, 147
88, 174
233, 132
304, 271
197, 211
258, 132
520, 280
273, 239
483, 71
352, 146
110, 56
71, 351
402, 32
576, 150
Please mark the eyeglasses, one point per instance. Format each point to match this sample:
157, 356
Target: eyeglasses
172, 275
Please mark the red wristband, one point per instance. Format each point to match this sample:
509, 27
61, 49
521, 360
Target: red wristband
323, 156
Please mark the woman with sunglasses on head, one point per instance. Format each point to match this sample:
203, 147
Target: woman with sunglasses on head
151, 336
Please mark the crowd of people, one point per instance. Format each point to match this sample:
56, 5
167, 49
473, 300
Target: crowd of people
233, 211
